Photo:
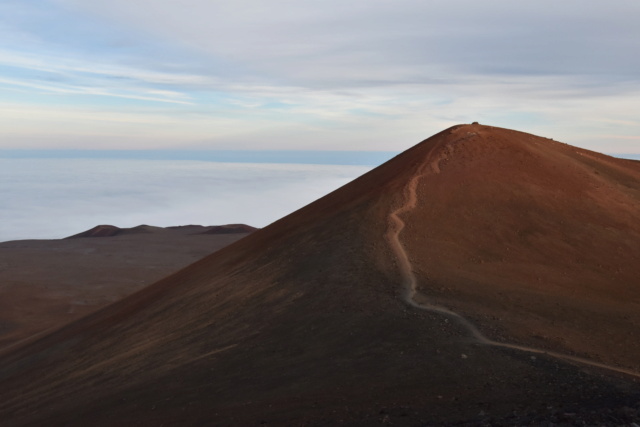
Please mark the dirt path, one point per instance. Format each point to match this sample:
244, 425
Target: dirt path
396, 225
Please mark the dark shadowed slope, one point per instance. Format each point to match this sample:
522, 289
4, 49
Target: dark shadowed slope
45, 284
305, 321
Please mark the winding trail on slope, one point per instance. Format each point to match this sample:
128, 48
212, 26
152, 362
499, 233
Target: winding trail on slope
410, 282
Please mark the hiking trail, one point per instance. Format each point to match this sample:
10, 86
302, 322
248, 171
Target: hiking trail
396, 225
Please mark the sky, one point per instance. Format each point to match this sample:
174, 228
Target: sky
358, 75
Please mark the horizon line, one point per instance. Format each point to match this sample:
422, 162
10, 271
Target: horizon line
320, 157
315, 157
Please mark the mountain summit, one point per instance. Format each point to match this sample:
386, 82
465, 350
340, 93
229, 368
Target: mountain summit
483, 276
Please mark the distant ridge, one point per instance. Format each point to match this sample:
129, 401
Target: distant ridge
111, 230
230, 229
99, 231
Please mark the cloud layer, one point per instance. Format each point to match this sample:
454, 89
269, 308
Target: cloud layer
55, 198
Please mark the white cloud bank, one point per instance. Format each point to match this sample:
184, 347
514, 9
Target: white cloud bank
45, 199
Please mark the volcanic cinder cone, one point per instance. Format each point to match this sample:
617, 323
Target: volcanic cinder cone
425, 292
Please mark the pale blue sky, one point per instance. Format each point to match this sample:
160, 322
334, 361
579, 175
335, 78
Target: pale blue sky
314, 75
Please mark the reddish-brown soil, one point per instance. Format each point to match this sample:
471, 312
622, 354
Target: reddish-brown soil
538, 241
307, 321
47, 283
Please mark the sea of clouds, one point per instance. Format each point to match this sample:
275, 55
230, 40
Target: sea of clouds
55, 198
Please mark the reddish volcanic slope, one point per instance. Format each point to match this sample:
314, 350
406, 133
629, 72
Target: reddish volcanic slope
45, 284
539, 235
309, 321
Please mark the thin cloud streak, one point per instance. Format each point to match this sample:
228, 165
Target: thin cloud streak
58, 65
75, 90
341, 43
